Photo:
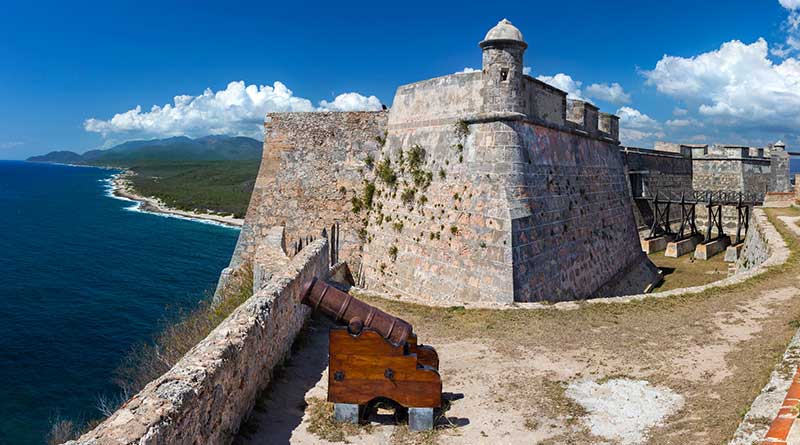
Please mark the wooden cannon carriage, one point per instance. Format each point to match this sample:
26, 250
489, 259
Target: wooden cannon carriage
375, 357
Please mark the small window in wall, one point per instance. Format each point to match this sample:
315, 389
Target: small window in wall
503, 74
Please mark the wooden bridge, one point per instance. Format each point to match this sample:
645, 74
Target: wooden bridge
671, 208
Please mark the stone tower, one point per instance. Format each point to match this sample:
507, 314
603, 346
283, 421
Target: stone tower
503, 48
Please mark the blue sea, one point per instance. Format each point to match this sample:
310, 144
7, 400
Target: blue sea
83, 279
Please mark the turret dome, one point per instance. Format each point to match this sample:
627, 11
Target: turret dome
504, 30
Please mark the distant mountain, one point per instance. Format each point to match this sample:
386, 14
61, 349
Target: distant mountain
61, 157
180, 148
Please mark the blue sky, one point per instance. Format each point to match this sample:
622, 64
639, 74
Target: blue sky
686, 70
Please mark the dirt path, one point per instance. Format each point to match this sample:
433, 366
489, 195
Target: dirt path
676, 370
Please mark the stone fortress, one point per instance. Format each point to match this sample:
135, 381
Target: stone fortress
475, 187
487, 186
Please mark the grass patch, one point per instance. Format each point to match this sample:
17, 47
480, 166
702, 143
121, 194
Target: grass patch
686, 271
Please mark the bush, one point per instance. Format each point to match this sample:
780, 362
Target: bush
61, 431
386, 173
369, 161
393, 252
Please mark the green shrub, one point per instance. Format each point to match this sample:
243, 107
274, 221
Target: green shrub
386, 173
393, 252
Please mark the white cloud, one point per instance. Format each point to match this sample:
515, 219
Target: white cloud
790, 4
638, 128
526, 70
680, 111
679, 123
351, 102
633, 118
239, 109
736, 86
564, 82
467, 70
613, 93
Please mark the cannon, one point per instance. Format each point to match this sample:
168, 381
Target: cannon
375, 357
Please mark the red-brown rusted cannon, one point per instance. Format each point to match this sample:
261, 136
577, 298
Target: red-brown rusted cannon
375, 357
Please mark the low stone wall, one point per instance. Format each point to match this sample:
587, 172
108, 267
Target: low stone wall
206, 395
756, 249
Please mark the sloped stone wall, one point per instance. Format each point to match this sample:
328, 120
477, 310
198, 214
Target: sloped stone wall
313, 165
515, 211
206, 395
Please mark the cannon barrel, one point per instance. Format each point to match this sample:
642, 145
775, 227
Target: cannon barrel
345, 308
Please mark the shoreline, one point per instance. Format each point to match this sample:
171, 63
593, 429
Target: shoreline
121, 188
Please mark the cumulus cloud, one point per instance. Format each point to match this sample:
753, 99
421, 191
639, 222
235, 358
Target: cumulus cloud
736, 86
790, 4
467, 70
566, 83
239, 109
526, 70
636, 127
351, 102
613, 93
791, 27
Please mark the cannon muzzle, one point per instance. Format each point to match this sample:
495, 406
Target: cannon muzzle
347, 309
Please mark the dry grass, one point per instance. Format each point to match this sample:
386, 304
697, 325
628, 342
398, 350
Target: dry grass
642, 339
687, 272
322, 424
148, 361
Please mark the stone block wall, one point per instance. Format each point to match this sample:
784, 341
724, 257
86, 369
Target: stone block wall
206, 395
313, 165
651, 171
779, 181
756, 248
515, 211
571, 213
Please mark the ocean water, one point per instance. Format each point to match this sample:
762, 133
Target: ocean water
82, 280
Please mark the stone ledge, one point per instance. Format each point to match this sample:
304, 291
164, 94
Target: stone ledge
704, 251
206, 395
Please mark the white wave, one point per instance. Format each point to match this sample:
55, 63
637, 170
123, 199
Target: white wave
110, 187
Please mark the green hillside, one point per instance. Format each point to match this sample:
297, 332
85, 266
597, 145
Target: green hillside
220, 186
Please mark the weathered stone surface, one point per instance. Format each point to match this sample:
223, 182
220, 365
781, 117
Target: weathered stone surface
654, 245
680, 248
313, 165
206, 395
704, 251
732, 253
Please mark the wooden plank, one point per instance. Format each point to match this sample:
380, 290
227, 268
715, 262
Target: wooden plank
368, 342
407, 394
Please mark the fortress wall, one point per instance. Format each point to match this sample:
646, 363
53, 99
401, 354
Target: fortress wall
204, 398
438, 101
544, 102
651, 171
313, 165
453, 242
573, 226
523, 212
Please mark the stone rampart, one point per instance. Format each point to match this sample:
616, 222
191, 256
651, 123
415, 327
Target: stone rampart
206, 395
313, 165
756, 248
514, 210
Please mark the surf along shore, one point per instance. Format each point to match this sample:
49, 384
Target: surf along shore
122, 187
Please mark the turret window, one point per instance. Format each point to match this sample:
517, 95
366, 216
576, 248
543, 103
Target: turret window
503, 74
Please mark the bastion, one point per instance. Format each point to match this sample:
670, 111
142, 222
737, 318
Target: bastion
486, 186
